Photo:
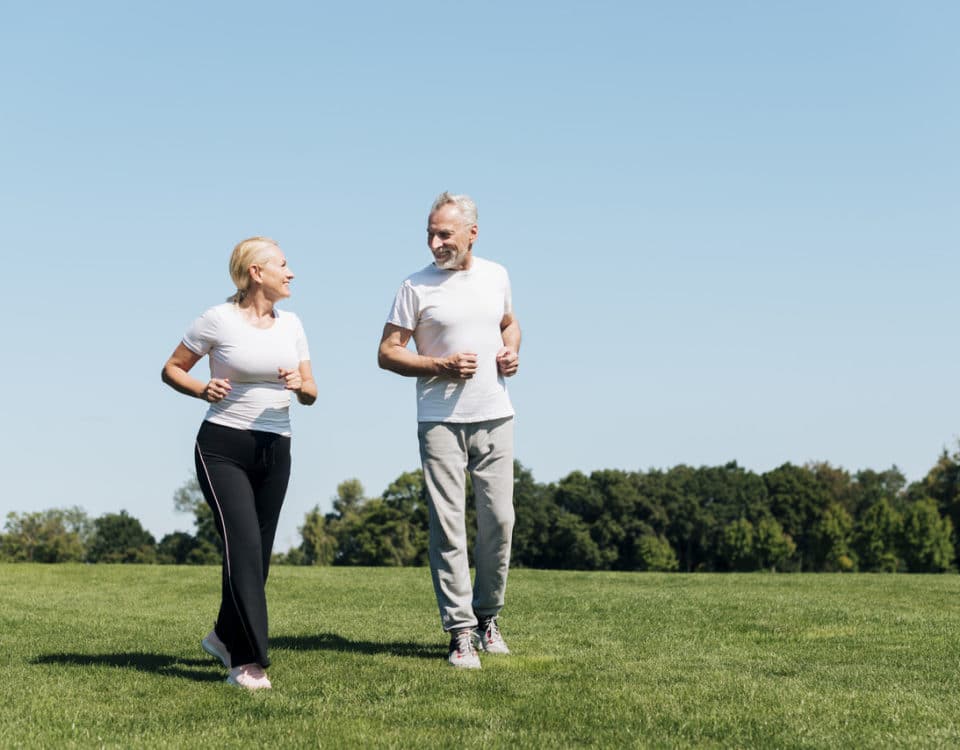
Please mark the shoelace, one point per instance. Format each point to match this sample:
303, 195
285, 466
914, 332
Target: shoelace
491, 630
464, 641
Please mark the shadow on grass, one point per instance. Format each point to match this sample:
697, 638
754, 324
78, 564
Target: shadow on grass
169, 666
334, 642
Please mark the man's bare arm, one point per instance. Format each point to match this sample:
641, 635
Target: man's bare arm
508, 358
394, 355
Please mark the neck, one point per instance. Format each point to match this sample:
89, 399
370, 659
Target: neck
255, 305
466, 263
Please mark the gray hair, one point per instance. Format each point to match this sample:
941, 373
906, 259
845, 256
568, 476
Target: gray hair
464, 204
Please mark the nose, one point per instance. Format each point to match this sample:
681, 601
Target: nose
435, 243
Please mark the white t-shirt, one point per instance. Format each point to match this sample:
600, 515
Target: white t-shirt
249, 357
458, 311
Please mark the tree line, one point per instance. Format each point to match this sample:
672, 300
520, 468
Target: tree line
814, 517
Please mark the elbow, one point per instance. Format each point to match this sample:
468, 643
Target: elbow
383, 362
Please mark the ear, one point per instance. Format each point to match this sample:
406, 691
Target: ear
255, 273
474, 233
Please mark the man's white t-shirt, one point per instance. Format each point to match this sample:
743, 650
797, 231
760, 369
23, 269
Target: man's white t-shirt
458, 311
250, 358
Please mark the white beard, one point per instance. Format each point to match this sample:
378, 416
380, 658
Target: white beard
454, 260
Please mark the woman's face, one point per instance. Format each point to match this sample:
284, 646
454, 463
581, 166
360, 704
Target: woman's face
275, 274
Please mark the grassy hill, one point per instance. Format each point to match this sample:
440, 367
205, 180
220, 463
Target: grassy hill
109, 656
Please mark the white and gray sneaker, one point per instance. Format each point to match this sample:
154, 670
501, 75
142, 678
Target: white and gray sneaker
488, 637
216, 648
462, 654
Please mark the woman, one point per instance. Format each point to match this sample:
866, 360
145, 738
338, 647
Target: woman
258, 356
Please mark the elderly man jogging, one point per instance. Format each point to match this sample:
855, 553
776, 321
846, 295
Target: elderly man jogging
459, 313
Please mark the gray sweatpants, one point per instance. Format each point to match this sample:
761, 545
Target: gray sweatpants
447, 451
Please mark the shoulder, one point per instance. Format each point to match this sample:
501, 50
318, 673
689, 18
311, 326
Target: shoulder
418, 284
287, 316
208, 329
489, 267
426, 275
490, 271
288, 319
214, 316
219, 312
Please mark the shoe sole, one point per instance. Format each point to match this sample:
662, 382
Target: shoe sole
463, 666
231, 681
501, 652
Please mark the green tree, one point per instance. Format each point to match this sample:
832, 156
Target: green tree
535, 511
50, 536
380, 535
349, 497
839, 485
872, 486
737, 545
293, 556
772, 548
655, 553
120, 538
942, 483
319, 546
926, 541
343, 520
690, 525
832, 541
572, 547
798, 498
189, 499
204, 553
876, 538
175, 548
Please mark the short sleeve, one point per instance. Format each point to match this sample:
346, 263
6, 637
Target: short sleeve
201, 336
507, 295
303, 350
406, 308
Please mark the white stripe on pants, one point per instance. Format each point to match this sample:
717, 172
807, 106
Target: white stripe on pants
447, 451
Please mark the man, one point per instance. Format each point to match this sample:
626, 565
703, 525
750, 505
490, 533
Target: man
459, 313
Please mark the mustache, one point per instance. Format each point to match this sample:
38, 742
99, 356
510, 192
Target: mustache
448, 257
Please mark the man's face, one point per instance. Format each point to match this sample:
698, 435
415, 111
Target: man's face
450, 238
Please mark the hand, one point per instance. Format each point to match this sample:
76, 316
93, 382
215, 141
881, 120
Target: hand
508, 361
216, 390
292, 379
462, 365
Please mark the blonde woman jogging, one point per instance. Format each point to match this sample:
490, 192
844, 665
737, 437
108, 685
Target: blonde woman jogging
258, 357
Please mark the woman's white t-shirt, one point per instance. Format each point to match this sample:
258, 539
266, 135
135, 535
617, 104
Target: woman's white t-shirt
250, 357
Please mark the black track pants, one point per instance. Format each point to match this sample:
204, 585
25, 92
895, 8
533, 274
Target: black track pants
243, 475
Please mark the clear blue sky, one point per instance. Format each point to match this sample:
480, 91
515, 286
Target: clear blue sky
732, 228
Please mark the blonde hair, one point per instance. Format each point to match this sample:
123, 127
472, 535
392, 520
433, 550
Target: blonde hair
248, 252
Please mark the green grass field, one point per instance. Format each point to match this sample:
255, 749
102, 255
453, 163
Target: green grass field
109, 656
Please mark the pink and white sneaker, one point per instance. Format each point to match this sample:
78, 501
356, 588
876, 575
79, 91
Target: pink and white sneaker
488, 636
462, 654
249, 676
